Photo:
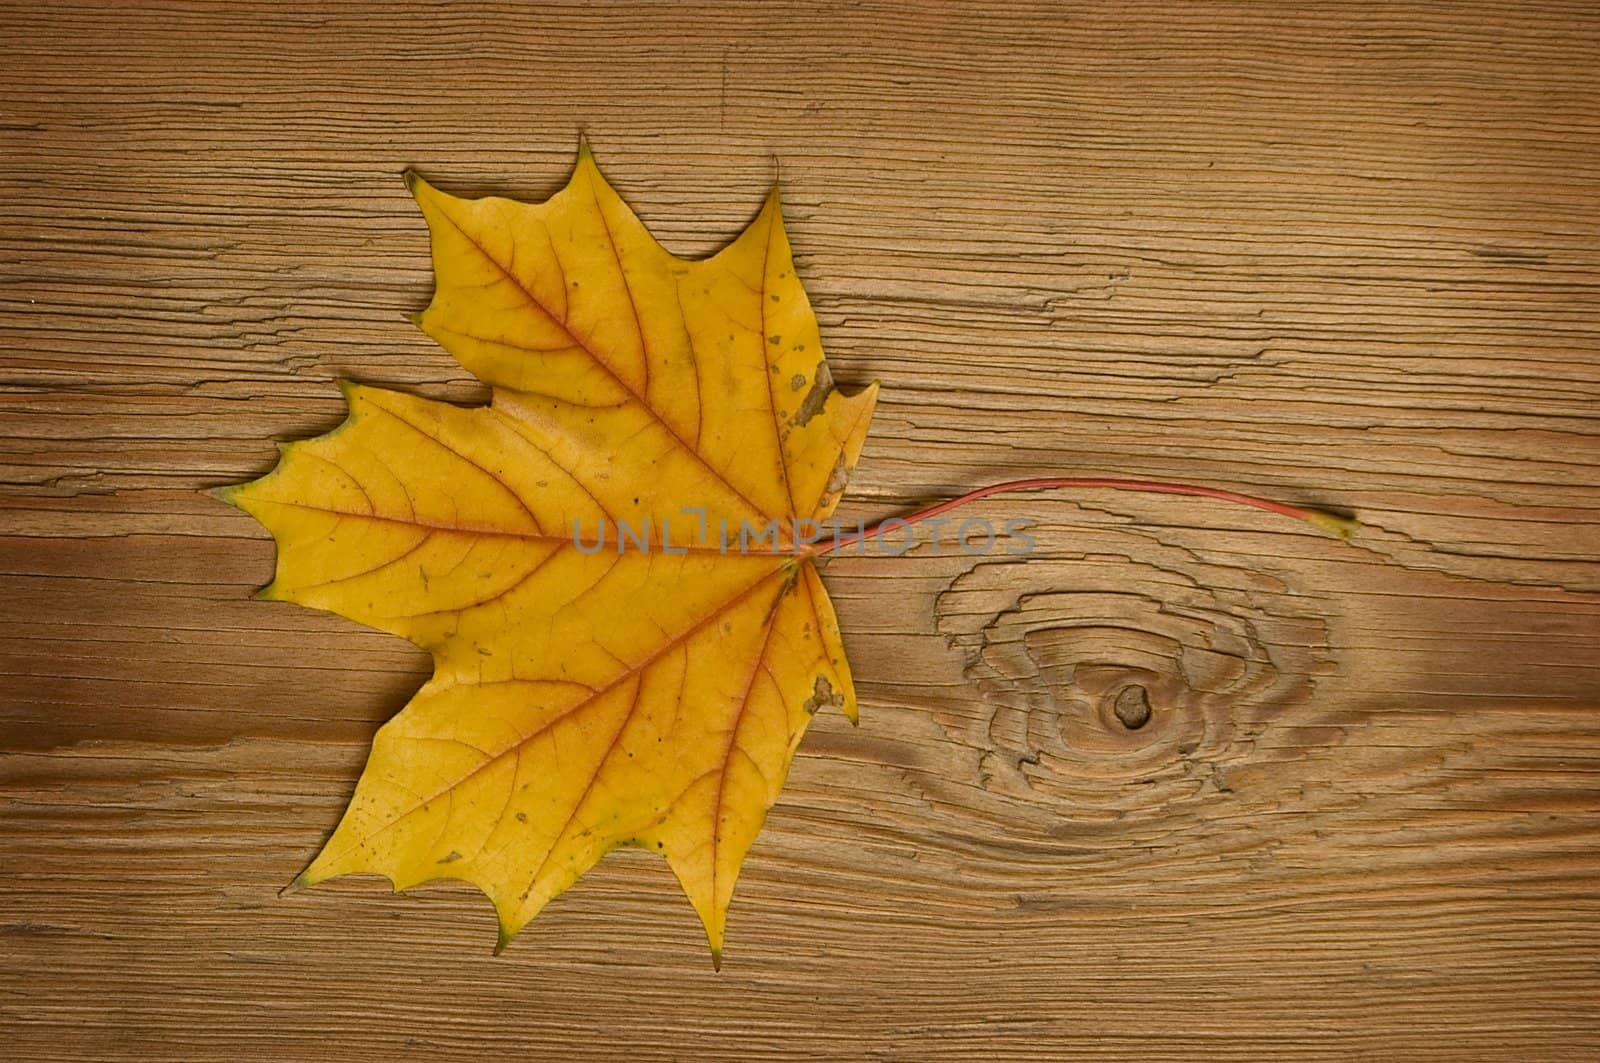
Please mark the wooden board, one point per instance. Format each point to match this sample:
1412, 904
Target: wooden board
1337, 254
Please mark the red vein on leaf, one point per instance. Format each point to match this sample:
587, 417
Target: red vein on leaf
493, 476
371, 570
761, 350
588, 789
495, 596
770, 624
627, 285
694, 361
496, 533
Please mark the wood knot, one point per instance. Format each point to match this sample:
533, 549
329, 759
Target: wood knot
1071, 659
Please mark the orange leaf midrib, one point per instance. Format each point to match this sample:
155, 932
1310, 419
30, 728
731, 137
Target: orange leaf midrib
501, 533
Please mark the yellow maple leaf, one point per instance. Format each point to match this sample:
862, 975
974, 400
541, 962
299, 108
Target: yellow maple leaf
589, 690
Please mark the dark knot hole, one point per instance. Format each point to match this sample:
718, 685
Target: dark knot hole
1132, 707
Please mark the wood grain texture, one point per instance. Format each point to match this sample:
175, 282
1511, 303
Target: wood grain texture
1338, 254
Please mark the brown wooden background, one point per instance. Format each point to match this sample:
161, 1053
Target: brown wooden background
1338, 254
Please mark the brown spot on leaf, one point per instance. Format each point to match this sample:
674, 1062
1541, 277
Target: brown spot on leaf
816, 398
797, 382
838, 478
451, 857
823, 695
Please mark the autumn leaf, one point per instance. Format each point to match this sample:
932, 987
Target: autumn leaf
607, 671
583, 696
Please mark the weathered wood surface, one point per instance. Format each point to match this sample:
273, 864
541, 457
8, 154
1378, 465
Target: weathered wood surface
1347, 256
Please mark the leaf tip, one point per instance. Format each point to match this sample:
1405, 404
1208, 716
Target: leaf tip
350, 391
300, 882
413, 180
716, 958
585, 163
269, 593
504, 939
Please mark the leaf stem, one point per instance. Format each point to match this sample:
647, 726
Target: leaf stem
1343, 527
